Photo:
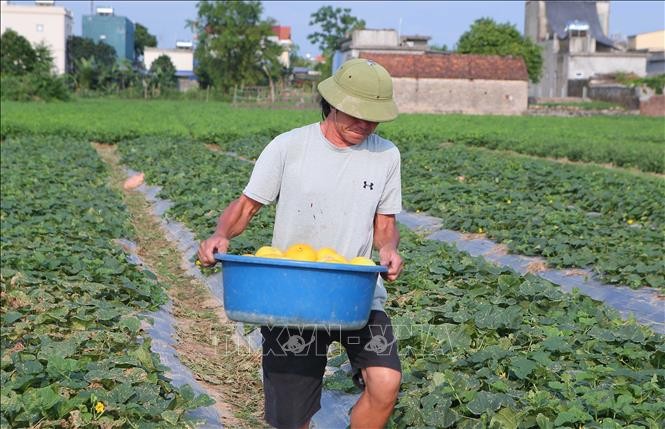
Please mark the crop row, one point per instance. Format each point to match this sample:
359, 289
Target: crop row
479, 344
73, 350
626, 141
574, 216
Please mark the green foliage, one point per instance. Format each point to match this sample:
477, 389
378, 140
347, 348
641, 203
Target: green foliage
486, 37
163, 71
73, 346
656, 83
27, 74
16, 54
437, 48
79, 48
335, 24
625, 141
34, 87
142, 38
233, 46
484, 347
573, 216
89, 64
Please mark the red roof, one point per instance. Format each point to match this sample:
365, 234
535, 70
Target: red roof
451, 66
283, 32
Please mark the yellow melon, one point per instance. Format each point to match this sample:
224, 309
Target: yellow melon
269, 252
327, 254
361, 260
301, 252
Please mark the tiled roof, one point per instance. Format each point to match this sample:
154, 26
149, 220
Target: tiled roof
283, 32
451, 66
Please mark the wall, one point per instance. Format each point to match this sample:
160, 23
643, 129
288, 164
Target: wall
653, 41
656, 63
363, 38
590, 65
182, 59
492, 97
654, 106
615, 93
50, 25
547, 86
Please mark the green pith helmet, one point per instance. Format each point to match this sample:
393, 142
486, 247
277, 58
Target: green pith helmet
361, 88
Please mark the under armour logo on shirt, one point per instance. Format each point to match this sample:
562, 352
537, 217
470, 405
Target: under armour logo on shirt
368, 185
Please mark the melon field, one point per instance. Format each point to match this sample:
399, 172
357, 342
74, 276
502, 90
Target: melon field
481, 346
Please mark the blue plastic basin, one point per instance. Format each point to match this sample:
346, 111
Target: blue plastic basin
281, 292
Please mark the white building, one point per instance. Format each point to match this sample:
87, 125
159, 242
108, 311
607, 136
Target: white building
653, 43
282, 36
378, 41
42, 23
182, 58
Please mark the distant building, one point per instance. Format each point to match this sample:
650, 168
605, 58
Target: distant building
117, 31
573, 35
303, 75
182, 58
433, 82
653, 43
42, 23
378, 41
282, 36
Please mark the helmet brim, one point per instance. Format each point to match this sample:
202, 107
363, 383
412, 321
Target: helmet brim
356, 106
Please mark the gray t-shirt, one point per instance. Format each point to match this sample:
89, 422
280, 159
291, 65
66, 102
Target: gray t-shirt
327, 196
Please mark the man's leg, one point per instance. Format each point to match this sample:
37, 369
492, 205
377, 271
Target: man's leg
373, 350
293, 365
378, 399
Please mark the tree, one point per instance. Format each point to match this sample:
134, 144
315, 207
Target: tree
233, 46
295, 60
142, 38
437, 48
90, 64
489, 38
162, 72
27, 72
336, 24
16, 54
82, 47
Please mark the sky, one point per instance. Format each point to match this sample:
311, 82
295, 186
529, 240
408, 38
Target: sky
443, 21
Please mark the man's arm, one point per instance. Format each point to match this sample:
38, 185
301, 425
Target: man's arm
231, 223
386, 240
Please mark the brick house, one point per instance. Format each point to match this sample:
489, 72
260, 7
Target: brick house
432, 82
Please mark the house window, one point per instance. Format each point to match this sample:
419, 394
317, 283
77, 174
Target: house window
40, 28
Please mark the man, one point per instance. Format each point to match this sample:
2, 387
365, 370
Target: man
337, 185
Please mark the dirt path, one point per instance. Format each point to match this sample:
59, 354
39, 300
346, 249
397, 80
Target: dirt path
228, 372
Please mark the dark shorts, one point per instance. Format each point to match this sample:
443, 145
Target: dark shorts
294, 361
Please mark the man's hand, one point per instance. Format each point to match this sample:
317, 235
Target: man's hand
232, 222
386, 240
390, 258
208, 247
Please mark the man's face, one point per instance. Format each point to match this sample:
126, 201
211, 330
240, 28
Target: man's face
352, 130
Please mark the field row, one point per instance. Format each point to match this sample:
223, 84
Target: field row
73, 350
626, 141
479, 343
